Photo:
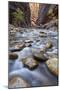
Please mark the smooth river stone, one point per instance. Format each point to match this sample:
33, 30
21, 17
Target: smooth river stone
43, 34
17, 82
13, 56
18, 47
28, 44
48, 44
40, 56
52, 65
28, 41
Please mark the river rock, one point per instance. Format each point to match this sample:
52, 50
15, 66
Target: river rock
30, 62
40, 56
52, 65
18, 47
11, 27
13, 56
17, 82
13, 31
28, 41
43, 34
49, 44
38, 48
28, 44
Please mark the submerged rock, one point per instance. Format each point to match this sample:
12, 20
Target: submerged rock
30, 63
52, 65
17, 82
13, 56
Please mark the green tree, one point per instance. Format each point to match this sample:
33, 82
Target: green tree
18, 16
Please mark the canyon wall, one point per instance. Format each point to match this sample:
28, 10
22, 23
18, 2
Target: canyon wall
19, 14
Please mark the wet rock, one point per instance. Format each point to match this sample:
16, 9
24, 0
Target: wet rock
52, 65
18, 47
43, 34
49, 44
30, 63
11, 27
13, 31
28, 41
13, 56
40, 56
37, 47
17, 82
28, 44
17, 29
42, 50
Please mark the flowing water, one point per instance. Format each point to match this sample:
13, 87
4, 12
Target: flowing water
40, 76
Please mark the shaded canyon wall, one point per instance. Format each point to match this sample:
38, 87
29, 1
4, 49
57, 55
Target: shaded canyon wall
22, 14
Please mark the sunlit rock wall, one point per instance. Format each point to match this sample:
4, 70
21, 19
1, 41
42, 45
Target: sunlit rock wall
34, 7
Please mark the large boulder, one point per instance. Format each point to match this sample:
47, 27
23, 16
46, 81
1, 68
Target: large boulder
41, 57
52, 65
30, 62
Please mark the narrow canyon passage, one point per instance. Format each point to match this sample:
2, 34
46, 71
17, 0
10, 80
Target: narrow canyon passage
32, 15
33, 47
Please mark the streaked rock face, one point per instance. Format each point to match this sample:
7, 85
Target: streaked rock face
52, 65
34, 7
17, 82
